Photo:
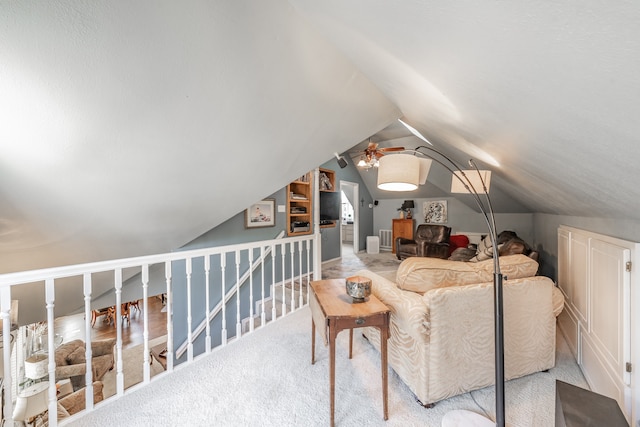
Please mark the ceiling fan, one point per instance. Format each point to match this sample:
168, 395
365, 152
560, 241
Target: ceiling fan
369, 158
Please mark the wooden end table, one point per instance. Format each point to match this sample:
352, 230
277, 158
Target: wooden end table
334, 311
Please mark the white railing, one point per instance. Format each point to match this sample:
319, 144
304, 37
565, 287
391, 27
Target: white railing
227, 278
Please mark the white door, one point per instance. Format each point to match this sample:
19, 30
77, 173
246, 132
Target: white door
605, 341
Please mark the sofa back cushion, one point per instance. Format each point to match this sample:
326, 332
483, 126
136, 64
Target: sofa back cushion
423, 274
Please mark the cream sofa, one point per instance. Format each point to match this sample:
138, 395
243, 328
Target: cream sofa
442, 323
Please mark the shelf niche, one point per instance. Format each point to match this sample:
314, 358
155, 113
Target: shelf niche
327, 184
300, 206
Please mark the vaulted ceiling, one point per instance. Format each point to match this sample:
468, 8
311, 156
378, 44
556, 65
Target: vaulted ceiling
130, 128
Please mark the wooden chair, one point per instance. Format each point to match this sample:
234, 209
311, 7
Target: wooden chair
107, 312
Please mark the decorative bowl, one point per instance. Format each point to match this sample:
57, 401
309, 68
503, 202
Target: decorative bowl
358, 288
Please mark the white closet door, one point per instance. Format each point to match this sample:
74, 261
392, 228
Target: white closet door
606, 340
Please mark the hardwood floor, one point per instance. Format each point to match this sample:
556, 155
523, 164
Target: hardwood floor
72, 327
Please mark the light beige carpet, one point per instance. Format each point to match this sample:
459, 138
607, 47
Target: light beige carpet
133, 360
267, 379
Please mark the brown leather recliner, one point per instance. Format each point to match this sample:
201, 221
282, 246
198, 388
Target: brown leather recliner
430, 240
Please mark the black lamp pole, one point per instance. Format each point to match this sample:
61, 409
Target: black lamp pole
487, 211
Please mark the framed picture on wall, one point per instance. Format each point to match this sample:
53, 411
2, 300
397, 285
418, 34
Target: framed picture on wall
261, 214
435, 212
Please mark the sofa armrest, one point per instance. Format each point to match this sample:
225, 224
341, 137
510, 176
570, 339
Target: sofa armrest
68, 371
102, 347
408, 310
404, 240
462, 338
75, 402
433, 250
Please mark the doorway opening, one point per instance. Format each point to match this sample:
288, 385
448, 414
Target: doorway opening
349, 224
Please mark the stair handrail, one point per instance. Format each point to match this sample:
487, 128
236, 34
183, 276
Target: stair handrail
202, 325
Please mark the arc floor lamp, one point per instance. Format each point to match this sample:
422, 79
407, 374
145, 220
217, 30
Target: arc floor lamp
408, 169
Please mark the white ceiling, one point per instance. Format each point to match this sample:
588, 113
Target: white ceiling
131, 128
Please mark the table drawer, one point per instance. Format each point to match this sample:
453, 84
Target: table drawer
380, 319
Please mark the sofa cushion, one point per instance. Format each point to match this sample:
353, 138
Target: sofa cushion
462, 254
511, 266
457, 241
65, 350
485, 250
423, 274
77, 356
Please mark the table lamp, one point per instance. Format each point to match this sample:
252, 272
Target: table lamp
31, 402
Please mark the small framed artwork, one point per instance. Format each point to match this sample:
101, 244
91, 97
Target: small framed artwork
435, 212
261, 214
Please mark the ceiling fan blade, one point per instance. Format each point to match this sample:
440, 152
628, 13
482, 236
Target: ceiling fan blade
392, 149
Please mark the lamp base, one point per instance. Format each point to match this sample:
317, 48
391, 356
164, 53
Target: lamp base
464, 418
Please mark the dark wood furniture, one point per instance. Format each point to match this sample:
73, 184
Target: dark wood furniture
401, 227
333, 311
430, 240
300, 206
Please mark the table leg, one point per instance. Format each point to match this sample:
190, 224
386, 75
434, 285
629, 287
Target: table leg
332, 370
313, 341
384, 335
350, 342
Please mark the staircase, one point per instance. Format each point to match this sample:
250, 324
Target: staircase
282, 300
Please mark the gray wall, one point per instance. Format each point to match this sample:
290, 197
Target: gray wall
461, 218
331, 236
546, 234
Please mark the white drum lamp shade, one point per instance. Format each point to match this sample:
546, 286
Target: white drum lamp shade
473, 177
399, 172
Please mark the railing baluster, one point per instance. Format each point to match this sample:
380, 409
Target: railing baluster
292, 250
50, 299
284, 273
223, 265
238, 320
300, 300
263, 316
118, 323
207, 268
274, 311
308, 249
189, 312
146, 364
86, 287
169, 303
251, 319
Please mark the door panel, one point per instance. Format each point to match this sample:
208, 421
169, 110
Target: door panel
579, 277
